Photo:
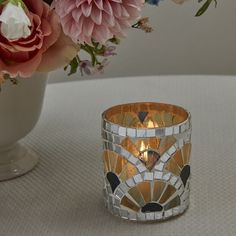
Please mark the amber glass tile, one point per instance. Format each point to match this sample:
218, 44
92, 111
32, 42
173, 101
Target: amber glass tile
154, 143
120, 163
123, 175
129, 146
112, 159
106, 161
168, 119
127, 172
173, 167
166, 143
129, 204
137, 196
173, 203
186, 151
131, 170
169, 191
131, 120
159, 186
178, 158
145, 190
158, 120
118, 119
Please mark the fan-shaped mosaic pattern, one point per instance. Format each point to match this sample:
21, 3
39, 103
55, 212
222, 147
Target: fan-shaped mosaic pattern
147, 197
117, 168
147, 168
178, 164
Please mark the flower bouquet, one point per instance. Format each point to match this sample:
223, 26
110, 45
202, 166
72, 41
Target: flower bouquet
41, 36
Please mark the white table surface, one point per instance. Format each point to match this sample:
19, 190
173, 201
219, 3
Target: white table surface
63, 196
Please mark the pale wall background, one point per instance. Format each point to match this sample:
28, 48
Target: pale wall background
180, 44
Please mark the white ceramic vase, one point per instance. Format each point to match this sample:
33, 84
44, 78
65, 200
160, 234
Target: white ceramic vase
20, 108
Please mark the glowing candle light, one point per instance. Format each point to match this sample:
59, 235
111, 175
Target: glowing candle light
143, 152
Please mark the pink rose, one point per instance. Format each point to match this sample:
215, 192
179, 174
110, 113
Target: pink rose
46, 49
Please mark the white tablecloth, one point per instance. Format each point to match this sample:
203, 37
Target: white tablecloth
63, 195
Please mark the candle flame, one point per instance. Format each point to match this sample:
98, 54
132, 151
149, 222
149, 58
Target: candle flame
150, 124
144, 155
142, 146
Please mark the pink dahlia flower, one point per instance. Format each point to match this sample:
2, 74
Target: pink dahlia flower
45, 49
98, 20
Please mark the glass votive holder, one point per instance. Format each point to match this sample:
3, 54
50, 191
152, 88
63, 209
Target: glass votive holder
146, 160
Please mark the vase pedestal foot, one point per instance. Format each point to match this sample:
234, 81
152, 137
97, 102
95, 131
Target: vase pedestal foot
16, 160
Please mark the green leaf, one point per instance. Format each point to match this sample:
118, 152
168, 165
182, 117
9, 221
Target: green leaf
205, 7
2, 1
73, 66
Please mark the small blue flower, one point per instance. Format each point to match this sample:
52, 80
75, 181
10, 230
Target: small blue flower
153, 2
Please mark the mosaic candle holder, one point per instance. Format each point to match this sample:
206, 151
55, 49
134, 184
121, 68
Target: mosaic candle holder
146, 160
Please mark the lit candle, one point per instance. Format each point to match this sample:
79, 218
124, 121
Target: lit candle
148, 156
151, 135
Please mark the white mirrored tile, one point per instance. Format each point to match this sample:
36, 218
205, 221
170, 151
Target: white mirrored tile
141, 217
124, 153
132, 216
148, 176
122, 131
141, 133
151, 132
165, 157
130, 182
171, 150
141, 168
181, 143
116, 202
119, 194
159, 166
138, 178
183, 128
166, 177
176, 129
173, 180
168, 131
132, 159
117, 149
187, 125
116, 139
150, 216
158, 215
124, 187
160, 132
168, 213
181, 190
108, 126
124, 214
176, 211
158, 175
114, 129
131, 132
109, 190
178, 184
